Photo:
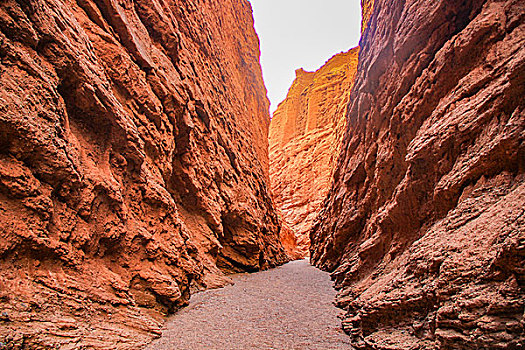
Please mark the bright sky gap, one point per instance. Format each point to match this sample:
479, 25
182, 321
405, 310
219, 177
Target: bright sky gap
302, 34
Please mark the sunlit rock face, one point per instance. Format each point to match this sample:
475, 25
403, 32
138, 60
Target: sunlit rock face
424, 225
305, 138
133, 165
366, 11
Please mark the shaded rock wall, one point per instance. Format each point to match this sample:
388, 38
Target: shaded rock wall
424, 226
133, 165
305, 137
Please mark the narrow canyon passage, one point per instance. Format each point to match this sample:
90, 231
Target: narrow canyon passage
287, 308
139, 163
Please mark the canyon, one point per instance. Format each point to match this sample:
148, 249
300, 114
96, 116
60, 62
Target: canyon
305, 137
133, 165
139, 166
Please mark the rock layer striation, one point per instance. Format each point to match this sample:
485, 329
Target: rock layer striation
133, 165
305, 138
424, 225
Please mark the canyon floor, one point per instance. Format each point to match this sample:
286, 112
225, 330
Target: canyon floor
286, 308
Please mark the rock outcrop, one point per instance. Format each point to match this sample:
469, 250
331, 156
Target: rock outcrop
424, 226
133, 165
305, 138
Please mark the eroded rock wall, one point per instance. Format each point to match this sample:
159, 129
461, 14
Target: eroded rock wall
305, 137
133, 165
424, 226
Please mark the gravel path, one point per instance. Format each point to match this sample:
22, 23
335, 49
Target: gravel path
287, 308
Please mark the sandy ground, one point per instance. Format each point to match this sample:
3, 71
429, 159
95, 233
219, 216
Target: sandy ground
287, 308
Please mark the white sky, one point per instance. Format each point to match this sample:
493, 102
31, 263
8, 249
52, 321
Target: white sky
302, 34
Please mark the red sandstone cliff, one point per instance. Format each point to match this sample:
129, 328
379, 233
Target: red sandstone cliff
133, 165
305, 135
424, 226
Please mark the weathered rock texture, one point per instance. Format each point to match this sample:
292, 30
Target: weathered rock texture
305, 138
133, 165
424, 226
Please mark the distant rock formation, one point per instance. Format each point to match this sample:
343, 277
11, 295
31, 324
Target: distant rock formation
424, 226
133, 165
305, 139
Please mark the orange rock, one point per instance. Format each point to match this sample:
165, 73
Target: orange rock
366, 7
133, 165
305, 135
